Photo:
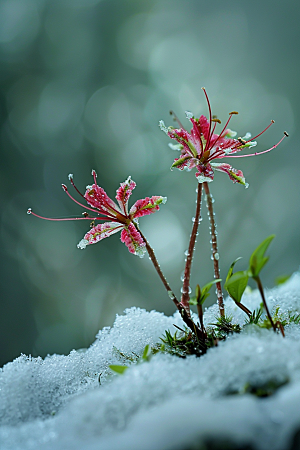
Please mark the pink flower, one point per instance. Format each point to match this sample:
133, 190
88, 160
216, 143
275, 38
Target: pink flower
118, 216
202, 146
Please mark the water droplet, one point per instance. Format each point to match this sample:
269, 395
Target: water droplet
29, 211
183, 291
182, 277
186, 253
246, 185
171, 295
216, 256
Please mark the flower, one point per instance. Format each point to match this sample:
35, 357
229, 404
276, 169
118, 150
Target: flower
119, 218
201, 146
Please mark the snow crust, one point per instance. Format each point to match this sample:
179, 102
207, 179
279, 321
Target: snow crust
75, 401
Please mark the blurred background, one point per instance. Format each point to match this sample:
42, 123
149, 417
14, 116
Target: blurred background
83, 86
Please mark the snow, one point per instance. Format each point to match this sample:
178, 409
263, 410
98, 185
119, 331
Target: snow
75, 401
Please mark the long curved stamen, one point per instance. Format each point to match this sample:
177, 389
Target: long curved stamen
220, 135
29, 211
107, 214
210, 117
249, 140
73, 184
176, 119
94, 173
257, 153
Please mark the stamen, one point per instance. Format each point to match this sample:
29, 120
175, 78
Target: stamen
210, 119
286, 134
175, 118
252, 139
257, 153
106, 213
220, 135
29, 211
94, 175
70, 176
233, 112
216, 120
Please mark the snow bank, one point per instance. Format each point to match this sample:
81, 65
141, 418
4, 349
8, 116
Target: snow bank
167, 403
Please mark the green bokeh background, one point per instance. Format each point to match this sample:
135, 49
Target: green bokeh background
83, 85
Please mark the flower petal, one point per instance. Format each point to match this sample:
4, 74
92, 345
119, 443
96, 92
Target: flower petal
133, 240
99, 232
98, 198
146, 206
235, 175
203, 125
124, 192
204, 173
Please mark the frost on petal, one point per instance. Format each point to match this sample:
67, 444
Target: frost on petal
99, 232
162, 126
235, 175
133, 240
82, 244
189, 115
98, 198
175, 146
124, 192
204, 173
146, 206
228, 133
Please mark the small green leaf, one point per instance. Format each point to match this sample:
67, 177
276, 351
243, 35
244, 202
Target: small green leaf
202, 294
282, 279
146, 352
236, 285
230, 271
258, 258
118, 369
193, 300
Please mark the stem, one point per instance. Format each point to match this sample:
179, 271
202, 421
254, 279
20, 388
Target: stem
183, 312
187, 271
200, 315
244, 308
261, 290
214, 246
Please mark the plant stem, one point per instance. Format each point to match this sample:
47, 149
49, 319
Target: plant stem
187, 271
214, 246
244, 308
261, 290
183, 312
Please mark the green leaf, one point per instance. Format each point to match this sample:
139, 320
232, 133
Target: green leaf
146, 352
281, 279
230, 271
202, 294
118, 369
258, 258
236, 285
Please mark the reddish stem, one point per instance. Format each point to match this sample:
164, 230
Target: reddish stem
214, 246
183, 312
187, 271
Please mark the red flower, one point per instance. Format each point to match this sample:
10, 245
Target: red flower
118, 216
201, 146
